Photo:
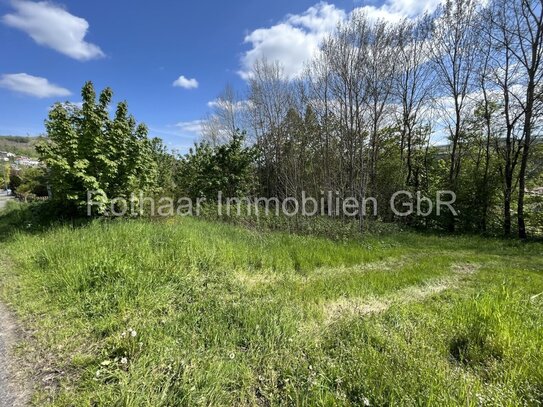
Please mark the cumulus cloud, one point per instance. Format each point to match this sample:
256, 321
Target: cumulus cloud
395, 10
193, 126
32, 85
185, 83
295, 40
52, 26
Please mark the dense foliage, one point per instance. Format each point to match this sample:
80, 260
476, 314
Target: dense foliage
209, 170
86, 150
447, 101
29, 182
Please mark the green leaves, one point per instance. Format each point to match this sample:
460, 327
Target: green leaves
87, 150
228, 168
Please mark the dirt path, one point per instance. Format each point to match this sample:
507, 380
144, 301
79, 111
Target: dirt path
12, 393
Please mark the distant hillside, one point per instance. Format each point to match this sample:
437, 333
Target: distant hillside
19, 145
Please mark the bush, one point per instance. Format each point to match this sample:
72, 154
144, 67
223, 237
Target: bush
206, 170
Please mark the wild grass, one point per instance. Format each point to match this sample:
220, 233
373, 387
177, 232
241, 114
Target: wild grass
189, 312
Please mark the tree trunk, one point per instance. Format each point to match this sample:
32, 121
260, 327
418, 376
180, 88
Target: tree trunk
524, 161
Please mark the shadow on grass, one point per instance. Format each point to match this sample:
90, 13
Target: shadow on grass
33, 218
37, 217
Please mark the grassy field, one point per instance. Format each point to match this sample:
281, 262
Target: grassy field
187, 312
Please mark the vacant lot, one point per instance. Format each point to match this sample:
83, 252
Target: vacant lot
186, 312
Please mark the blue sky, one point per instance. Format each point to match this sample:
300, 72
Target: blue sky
168, 59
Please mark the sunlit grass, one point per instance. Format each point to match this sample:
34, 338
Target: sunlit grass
187, 312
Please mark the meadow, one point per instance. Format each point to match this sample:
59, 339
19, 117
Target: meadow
191, 312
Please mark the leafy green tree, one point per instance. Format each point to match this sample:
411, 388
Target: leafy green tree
227, 168
6, 175
86, 150
166, 166
31, 181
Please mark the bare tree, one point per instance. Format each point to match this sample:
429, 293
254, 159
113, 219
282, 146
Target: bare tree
225, 118
503, 74
270, 99
454, 48
413, 85
318, 77
380, 65
527, 49
345, 54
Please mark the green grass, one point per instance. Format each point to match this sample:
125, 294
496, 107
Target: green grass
229, 316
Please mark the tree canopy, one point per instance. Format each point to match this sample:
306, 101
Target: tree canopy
87, 150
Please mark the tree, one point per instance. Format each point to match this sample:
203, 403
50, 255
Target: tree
454, 46
413, 86
32, 182
346, 54
516, 35
6, 175
527, 30
270, 98
226, 168
226, 117
85, 150
380, 70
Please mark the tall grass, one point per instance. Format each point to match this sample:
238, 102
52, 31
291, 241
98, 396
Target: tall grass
189, 312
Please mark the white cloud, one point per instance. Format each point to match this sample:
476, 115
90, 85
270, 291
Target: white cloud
295, 40
193, 126
185, 83
395, 10
238, 106
32, 85
50, 25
